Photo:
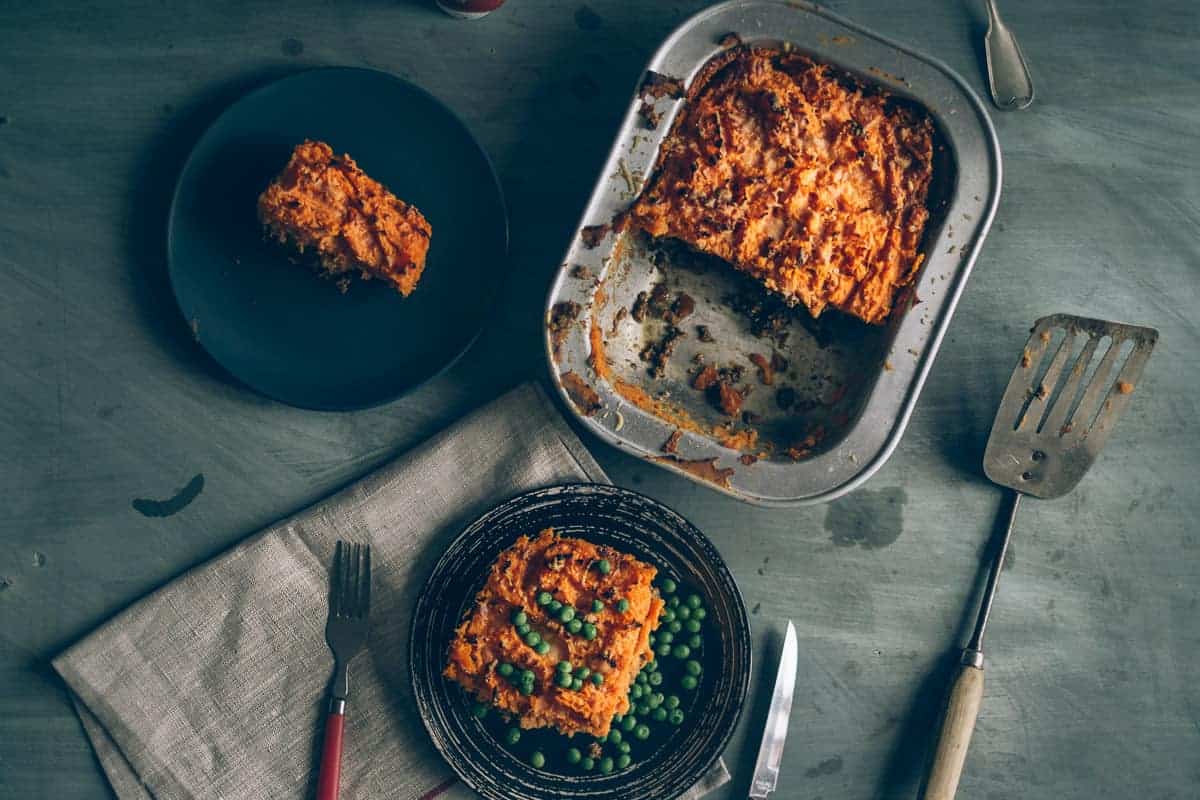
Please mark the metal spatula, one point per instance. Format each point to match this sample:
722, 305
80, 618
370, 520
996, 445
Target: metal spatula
1054, 417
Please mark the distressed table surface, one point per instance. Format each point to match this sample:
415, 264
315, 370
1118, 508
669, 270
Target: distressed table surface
106, 407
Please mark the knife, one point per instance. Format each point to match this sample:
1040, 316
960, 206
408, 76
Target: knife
770, 752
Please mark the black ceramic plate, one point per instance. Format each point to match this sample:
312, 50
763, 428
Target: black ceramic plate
665, 766
278, 327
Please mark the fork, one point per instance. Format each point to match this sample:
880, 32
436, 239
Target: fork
345, 632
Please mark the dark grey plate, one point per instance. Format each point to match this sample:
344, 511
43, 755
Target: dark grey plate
275, 325
666, 766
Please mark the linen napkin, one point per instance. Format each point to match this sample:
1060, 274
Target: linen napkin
214, 685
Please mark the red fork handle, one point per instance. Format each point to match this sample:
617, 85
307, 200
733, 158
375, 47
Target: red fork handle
331, 756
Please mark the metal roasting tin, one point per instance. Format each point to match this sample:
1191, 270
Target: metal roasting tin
855, 382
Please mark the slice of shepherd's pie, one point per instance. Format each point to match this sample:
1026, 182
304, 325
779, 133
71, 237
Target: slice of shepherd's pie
799, 176
550, 600
325, 204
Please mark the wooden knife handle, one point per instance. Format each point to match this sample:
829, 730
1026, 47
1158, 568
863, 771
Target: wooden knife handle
331, 757
950, 752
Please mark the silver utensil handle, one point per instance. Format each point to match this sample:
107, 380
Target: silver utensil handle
1008, 75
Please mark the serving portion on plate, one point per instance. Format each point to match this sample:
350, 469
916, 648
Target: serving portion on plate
356, 173
772, 253
580, 641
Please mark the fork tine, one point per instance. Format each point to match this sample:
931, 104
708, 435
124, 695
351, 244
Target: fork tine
366, 590
335, 581
345, 578
356, 581
1041, 393
1061, 406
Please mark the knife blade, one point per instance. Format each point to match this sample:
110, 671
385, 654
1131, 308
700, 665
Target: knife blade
770, 752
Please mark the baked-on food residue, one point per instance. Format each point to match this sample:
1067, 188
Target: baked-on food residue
326, 204
809, 182
576, 574
583, 396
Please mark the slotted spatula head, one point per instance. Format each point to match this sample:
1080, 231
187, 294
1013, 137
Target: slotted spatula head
1074, 378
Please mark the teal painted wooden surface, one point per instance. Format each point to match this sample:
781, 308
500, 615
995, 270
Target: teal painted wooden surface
104, 400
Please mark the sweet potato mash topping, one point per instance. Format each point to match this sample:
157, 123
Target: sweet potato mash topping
795, 174
613, 611
326, 204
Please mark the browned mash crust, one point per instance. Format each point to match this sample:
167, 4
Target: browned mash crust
798, 176
326, 204
564, 567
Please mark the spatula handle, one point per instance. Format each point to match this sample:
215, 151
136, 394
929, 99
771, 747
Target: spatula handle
958, 723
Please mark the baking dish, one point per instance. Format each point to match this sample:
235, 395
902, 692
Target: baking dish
855, 385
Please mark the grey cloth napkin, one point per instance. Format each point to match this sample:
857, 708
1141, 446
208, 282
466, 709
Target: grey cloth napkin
213, 686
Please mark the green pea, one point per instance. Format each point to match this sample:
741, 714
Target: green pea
668, 615
644, 709
575, 625
544, 598
683, 612
606, 765
597, 606
582, 672
666, 637
554, 607
681, 651
604, 566
563, 666
576, 684
622, 605
675, 626
512, 735
659, 714
624, 747
629, 723
676, 717
618, 719
694, 641
563, 680
541, 648
642, 732
532, 638
693, 625
587, 763
614, 736
623, 761
642, 677
523, 630
673, 602
537, 759
635, 692
656, 678
589, 631
688, 682
694, 600
699, 613
663, 649
668, 586
505, 669
574, 756
653, 639
672, 702
525, 689
693, 668
597, 679
527, 676
520, 618
479, 711
566, 615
